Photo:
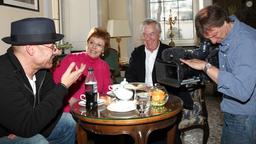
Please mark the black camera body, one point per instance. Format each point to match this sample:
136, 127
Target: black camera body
170, 71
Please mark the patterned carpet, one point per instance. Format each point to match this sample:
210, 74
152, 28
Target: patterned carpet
215, 118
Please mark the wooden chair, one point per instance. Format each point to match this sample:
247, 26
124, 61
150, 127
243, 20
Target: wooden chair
196, 118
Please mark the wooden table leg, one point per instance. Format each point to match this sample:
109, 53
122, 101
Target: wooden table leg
171, 135
140, 137
139, 132
81, 135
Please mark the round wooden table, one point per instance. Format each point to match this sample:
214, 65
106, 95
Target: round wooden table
138, 126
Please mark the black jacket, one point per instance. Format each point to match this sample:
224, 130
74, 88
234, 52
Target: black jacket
23, 113
136, 69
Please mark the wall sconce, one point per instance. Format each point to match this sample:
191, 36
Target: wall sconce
118, 29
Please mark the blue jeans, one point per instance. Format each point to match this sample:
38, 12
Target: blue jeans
65, 130
63, 133
38, 139
239, 129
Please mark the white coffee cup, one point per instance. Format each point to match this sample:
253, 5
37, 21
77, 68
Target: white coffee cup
123, 94
113, 87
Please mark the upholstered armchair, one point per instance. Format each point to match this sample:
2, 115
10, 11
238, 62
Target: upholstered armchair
111, 57
196, 118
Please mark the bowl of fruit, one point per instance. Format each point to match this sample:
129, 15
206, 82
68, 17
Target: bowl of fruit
159, 95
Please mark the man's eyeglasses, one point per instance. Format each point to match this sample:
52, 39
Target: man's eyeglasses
53, 47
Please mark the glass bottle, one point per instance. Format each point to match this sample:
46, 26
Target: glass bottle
91, 89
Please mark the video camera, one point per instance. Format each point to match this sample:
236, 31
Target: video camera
170, 71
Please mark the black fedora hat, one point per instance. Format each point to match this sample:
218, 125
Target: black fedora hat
33, 31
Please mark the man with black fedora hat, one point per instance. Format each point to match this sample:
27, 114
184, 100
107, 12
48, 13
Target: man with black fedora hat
30, 102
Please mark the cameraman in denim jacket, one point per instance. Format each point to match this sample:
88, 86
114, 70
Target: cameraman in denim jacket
235, 76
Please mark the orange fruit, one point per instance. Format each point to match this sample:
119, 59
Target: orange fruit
158, 95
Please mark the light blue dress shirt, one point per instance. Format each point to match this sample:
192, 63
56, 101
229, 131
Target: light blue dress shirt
237, 65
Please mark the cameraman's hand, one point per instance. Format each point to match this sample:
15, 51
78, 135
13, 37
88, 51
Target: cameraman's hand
70, 76
195, 63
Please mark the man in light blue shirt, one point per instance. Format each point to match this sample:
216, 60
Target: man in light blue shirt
236, 75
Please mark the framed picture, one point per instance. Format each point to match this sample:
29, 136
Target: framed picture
24, 4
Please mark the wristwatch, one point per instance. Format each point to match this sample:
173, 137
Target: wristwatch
206, 67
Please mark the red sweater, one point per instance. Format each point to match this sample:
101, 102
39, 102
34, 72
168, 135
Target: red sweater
101, 72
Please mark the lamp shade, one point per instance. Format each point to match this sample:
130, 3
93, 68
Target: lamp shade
118, 28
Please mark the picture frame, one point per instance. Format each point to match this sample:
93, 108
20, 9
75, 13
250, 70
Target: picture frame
23, 4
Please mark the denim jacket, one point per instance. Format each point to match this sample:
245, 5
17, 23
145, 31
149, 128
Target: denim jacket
237, 75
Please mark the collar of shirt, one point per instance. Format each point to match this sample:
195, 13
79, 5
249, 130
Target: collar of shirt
226, 42
32, 83
149, 65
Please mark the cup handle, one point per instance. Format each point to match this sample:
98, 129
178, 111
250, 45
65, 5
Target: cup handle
110, 87
82, 97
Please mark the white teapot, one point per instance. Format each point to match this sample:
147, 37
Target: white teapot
115, 86
123, 93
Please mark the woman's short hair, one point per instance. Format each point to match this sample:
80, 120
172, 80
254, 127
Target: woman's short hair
100, 33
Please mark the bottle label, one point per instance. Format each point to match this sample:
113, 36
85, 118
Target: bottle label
91, 86
95, 88
91, 93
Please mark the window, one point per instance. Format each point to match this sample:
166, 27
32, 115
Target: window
181, 12
56, 14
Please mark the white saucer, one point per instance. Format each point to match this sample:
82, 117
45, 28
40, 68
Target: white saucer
135, 86
122, 106
83, 103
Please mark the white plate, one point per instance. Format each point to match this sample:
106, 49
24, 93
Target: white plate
120, 115
135, 86
122, 106
83, 103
